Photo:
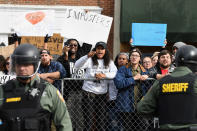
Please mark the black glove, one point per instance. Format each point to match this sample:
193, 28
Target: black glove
46, 38
14, 37
2, 44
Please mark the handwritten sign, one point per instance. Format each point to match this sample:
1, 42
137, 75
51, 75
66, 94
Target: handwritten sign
7, 50
5, 22
5, 78
54, 45
34, 23
148, 34
88, 27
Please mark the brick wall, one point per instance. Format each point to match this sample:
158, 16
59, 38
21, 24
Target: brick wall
107, 5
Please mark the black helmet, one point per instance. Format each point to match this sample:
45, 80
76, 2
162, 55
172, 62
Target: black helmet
25, 54
187, 56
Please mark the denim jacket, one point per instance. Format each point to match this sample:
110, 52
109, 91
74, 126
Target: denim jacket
125, 83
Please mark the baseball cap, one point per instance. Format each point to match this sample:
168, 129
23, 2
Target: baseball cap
103, 44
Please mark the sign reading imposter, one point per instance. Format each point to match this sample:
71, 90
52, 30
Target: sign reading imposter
84, 26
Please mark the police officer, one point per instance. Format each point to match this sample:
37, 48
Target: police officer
173, 99
29, 103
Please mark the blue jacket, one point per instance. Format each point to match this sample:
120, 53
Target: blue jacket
53, 67
125, 84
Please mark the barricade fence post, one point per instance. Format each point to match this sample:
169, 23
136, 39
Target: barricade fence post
80, 103
62, 85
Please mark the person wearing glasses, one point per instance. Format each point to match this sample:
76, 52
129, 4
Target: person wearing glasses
129, 81
72, 51
147, 62
148, 65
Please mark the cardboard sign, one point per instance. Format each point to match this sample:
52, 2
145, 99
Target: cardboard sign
7, 50
148, 34
54, 45
5, 78
84, 26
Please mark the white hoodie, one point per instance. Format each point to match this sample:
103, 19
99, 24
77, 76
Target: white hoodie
89, 85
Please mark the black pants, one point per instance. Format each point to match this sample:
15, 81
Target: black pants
94, 111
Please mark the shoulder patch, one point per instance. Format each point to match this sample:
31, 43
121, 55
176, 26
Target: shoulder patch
60, 96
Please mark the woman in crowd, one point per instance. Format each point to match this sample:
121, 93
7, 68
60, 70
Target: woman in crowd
5, 65
72, 51
155, 58
2, 61
147, 62
148, 65
121, 59
98, 65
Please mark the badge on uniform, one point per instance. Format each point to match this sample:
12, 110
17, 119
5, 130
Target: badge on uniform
16, 99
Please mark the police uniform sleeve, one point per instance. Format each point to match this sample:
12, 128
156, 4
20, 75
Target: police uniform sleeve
195, 86
148, 104
56, 105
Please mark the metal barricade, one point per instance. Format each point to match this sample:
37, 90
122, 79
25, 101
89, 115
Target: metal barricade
74, 97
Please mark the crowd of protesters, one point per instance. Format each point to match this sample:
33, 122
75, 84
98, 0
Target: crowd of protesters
118, 86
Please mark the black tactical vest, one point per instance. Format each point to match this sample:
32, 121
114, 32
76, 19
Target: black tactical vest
177, 103
22, 111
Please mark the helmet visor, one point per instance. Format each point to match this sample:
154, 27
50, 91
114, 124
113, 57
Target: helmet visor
24, 60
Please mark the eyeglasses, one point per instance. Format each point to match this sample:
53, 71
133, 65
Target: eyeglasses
7, 63
73, 45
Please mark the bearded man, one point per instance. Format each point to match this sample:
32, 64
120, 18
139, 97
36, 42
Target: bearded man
164, 65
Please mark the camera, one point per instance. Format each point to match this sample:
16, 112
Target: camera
66, 44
